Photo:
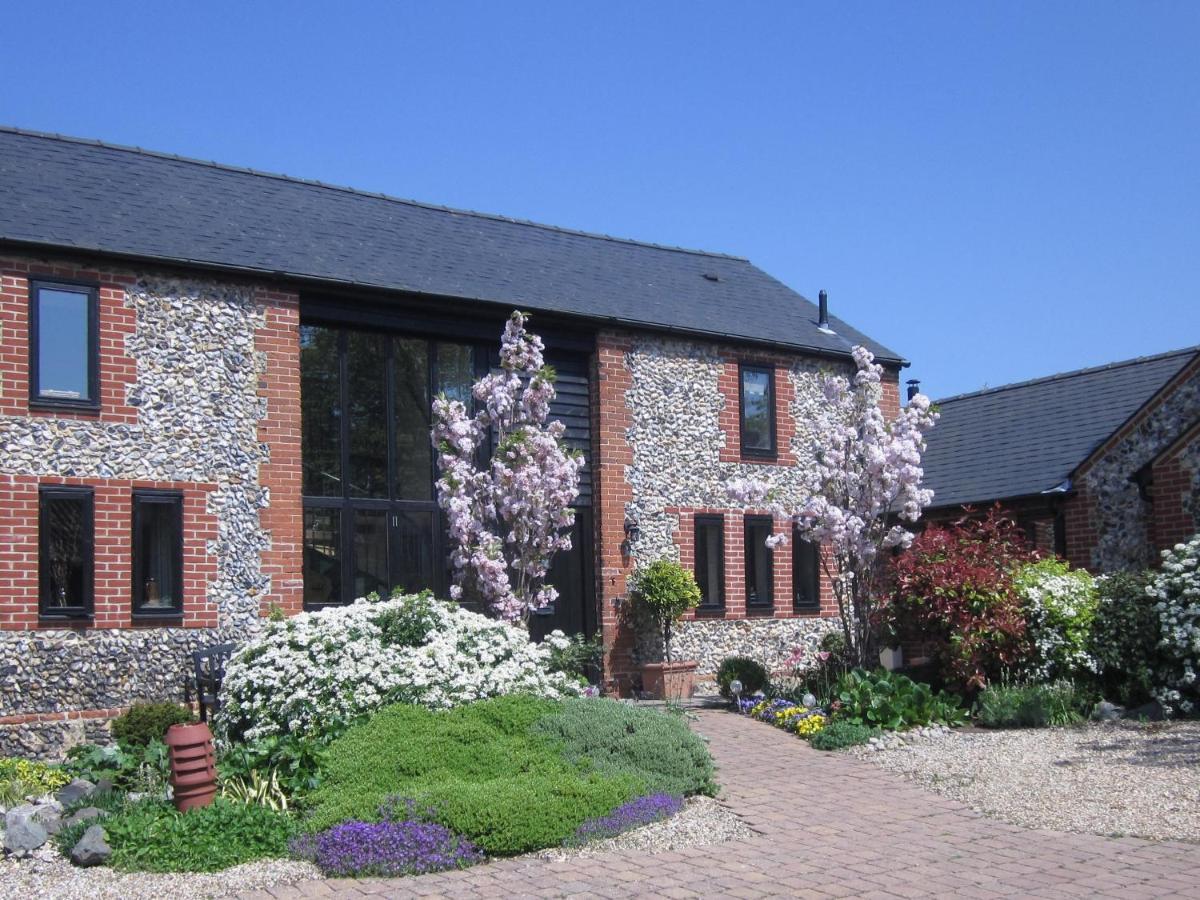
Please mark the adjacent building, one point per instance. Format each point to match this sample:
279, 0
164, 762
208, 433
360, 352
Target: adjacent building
215, 391
1101, 465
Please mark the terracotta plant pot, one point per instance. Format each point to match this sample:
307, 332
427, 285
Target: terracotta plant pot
669, 680
193, 765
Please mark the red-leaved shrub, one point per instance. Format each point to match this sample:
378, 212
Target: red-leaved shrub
953, 590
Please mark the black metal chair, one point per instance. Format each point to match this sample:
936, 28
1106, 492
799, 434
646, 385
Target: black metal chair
210, 665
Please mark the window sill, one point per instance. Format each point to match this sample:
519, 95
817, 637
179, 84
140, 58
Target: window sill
760, 612
157, 618
808, 612
67, 620
74, 409
709, 612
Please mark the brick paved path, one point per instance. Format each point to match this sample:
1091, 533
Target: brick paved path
829, 826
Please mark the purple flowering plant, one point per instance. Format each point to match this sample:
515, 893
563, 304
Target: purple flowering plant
405, 842
634, 814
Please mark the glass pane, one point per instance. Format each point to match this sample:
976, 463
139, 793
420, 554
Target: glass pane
414, 453
709, 562
322, 556
756, 410
413, 558
759, 588
455, 372
806, 566
64, 530
158, 578
321, 412
366, 377
63, 351
370, 552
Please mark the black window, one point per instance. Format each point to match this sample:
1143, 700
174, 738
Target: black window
710, 560
759, 563
63, 337
157, 553
371, 520
757, 399
806, 574
65, 535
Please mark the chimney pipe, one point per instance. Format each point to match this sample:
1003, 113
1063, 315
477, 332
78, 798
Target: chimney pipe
823, 311
914, 387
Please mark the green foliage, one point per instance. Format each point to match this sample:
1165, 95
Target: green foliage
751, 673
143, 769
109, 801
492, 780
1124, 639
153, 837
1007, 705
886, 700
842, 733
663, 591
294, 762
144, 723
580, 658
21, 778
622, 740
410, 624
259, 789
1059, 605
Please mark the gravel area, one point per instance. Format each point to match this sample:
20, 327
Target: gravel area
50, 875
703, 821
1116, 778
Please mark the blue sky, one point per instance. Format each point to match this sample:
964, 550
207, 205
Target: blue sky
996, 190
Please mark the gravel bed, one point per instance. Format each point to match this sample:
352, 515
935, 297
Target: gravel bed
1115, 778
50, 875
703, 821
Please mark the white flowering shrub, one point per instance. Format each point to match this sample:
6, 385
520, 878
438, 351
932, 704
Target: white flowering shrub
315, 673
1060, 605
1176, 590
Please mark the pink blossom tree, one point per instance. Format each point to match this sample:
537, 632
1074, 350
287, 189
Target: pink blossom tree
508, 514
864, 484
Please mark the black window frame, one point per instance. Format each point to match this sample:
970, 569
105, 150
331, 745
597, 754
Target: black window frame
87, 496
771, 452
751, 525
141, 498
801, 546
36, 399
699, 523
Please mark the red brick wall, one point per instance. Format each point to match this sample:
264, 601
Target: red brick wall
1174, 494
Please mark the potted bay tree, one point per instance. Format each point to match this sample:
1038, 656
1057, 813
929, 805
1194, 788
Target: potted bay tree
662, 592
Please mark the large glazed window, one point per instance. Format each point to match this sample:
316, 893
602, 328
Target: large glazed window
63, 337
157, 553
759, 563
65, 538
757, 394
371, 520
710, 561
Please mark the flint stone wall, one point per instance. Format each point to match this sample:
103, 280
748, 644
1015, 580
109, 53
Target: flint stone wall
675, 403
198, 409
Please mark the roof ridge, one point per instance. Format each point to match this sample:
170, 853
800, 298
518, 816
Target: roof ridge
1137, 360
310, 182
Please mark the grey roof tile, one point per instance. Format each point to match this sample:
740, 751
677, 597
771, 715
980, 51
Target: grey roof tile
68, 193
1023, 439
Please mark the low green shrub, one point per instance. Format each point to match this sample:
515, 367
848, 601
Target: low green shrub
144, 723
21, 778
842, 733
154, 837
1060, 605
143, 769
1007, 705
492, 780
623, 740
294, 761
576, 656
751, 673
882, 699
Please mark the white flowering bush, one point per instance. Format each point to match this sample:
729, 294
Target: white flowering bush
315, 673
1060, 605
1176, 591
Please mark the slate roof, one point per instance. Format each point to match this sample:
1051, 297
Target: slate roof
68, 193
1027, 438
